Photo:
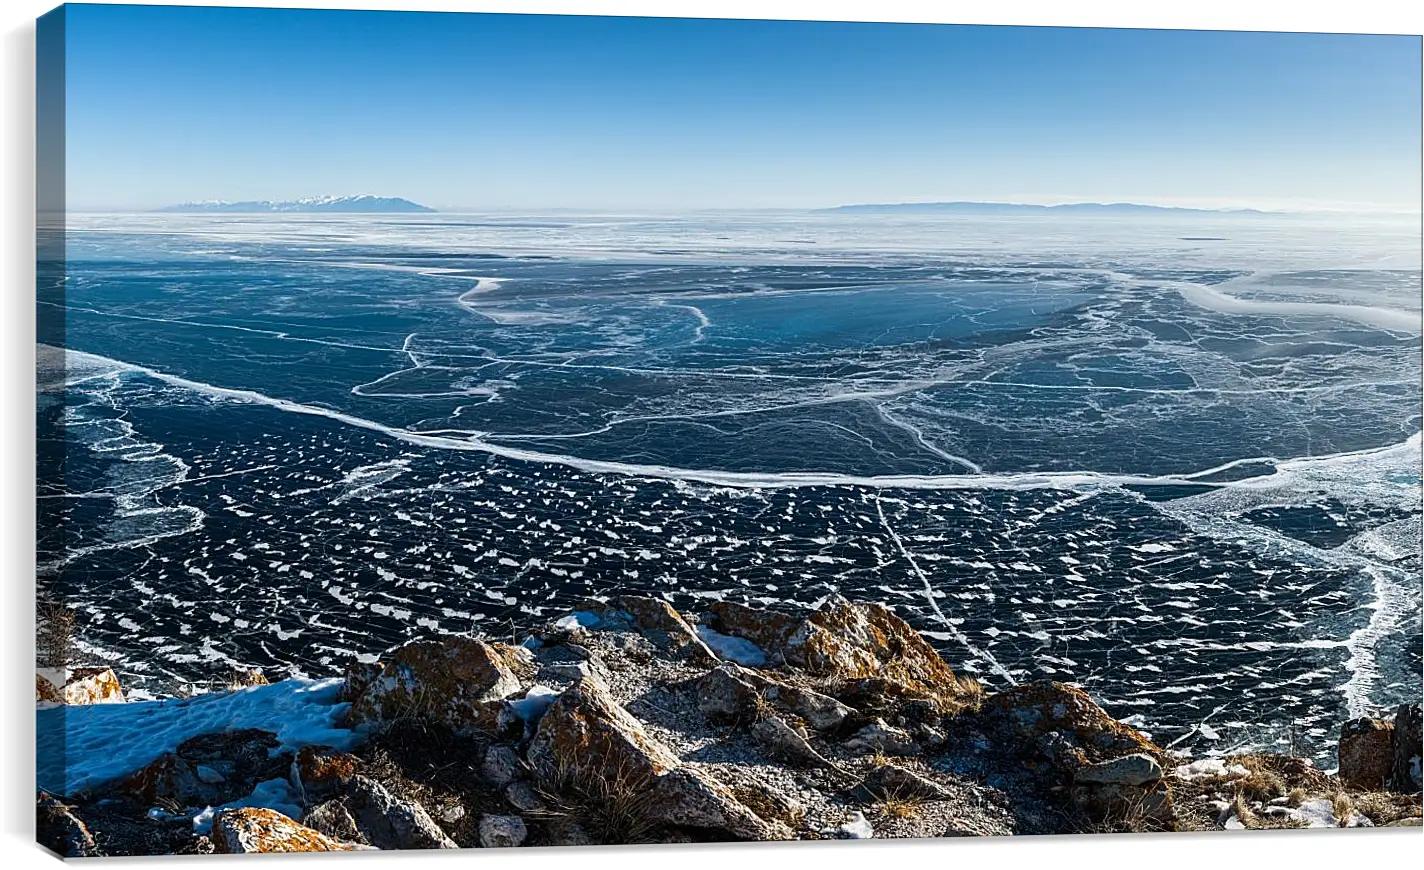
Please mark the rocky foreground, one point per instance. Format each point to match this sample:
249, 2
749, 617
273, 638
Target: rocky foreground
628, 722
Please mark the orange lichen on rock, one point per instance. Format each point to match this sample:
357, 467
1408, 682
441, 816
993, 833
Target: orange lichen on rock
247, 830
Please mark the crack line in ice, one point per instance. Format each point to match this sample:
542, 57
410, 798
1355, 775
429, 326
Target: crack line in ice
934, 605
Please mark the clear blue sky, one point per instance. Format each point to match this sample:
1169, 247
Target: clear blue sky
167, 104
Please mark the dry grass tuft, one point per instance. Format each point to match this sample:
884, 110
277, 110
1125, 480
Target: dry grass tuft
620, 809
898, 807
1343, 806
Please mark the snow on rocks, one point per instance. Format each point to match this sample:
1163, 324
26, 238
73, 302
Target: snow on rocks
81, 748
733, 649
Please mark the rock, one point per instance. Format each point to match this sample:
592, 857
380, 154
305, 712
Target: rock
502, 831
241, 831
587, 740
1366, 753
890, 780
732, 692
502, 765
1059, 724
333, 819
564, 672
560, 831
855, 828
781, 741
59, 830
768, 629
728, 692
770, 803
844, 641
666, 628
880, 737
821, 712
524, 797
459, 682
46, 692
1411, 822
321, 771
1405, 775
94, 685
209, 770
854, 641
1135, 769
389, 822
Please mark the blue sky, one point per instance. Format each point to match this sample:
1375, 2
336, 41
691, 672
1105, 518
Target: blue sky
167, 104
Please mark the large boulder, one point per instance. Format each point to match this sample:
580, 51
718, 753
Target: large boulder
1405, 776
389, 822
1108, 771
459, 682
588, 742
241, 831
1366, 753
1061, 725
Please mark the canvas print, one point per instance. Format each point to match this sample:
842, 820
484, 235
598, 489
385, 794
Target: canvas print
465, 430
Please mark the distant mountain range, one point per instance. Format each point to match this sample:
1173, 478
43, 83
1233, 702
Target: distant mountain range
1028, 208
362, 203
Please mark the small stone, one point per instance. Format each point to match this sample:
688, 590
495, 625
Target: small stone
523, 797
502, 765
879, 737
1135, 769
334, 820
560, 831
453, 813
891, 780
782, 741
502, 831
